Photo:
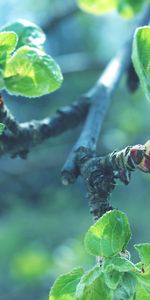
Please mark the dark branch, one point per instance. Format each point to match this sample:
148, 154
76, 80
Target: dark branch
101, 96
100, 173
35, 132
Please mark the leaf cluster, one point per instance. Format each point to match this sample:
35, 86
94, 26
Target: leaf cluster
126, 8
25, 69
116, 278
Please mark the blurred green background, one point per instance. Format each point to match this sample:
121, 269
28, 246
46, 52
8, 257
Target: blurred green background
42, 223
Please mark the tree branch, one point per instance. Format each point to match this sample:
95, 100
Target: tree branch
101, 97
100, 173
32, 133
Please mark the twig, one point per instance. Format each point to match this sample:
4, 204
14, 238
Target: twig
101, 96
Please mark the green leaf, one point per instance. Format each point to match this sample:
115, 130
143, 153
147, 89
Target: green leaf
92, 286
128, 8
143, 286
2, 85
31, 73
141, 57
8, 42
97, 7
118, 263
144, 253
126, 288
28, 33
112, 279
109, 235
2, 127
65, 285
113, 269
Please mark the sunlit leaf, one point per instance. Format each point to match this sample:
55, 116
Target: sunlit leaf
65, 285
31, 73
109, 235
28, 33
141, 57
8, 42
144, 253
92, 286
143, 286
97, 7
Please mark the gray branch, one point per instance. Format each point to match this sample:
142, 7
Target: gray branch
101, 97
35, 132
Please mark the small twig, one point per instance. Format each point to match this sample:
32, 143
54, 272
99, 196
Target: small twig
101, 96
7, 118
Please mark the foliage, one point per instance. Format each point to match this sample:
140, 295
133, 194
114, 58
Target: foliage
107, 237
141, 58
126, 8
25, 69
116, 277
21, 45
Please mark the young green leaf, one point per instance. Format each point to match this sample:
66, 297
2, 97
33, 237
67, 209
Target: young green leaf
31, 73
8, 42
65, 285
97, 7
118, 263
112, 279
109, 235
143, 286
126, 288
114, 268
92, 286
2, 127
144, 253
28, 33
141, 57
